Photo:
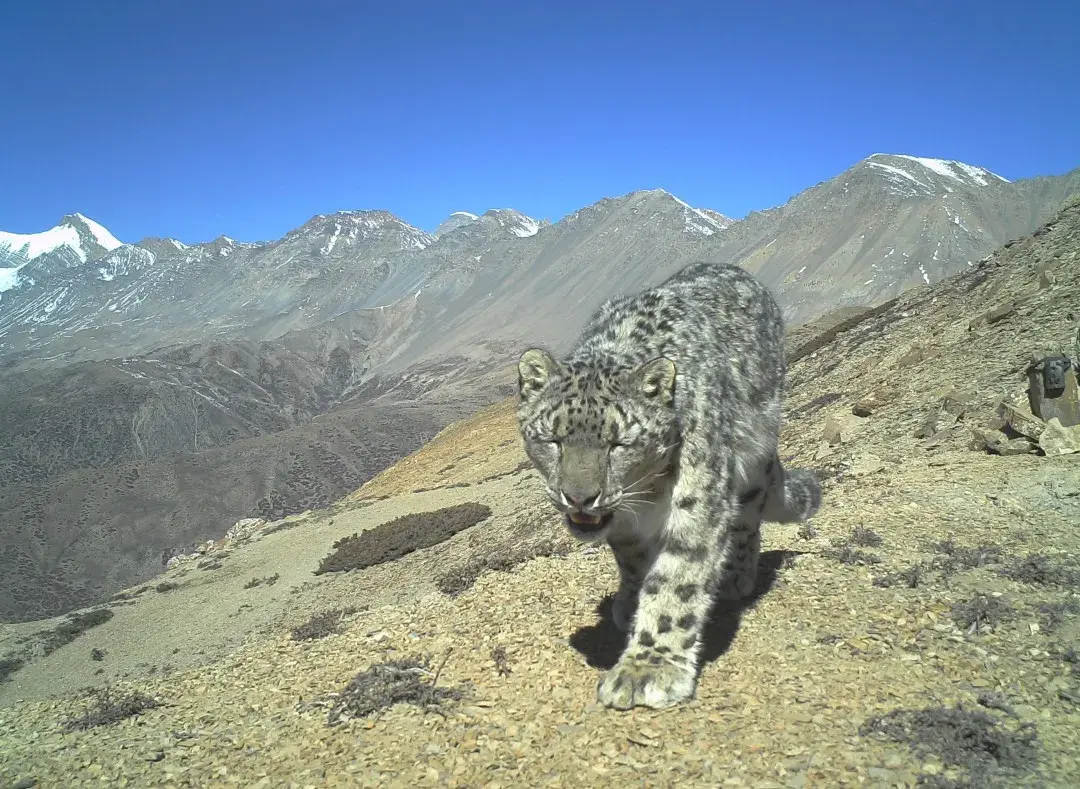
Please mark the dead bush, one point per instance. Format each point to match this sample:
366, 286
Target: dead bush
107, 707
407, 681
321, 625
980, 612
269, 580
1042, 570
970, 740
506, 557
401, 536
76, 625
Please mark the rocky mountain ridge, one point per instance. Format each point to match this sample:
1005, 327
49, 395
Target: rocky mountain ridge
887, 223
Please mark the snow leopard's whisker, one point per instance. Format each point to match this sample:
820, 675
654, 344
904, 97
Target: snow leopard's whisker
643, 479
634, 499
631, 510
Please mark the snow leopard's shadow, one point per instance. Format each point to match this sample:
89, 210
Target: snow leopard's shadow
602, 643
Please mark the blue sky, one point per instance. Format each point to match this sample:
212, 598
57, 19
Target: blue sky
192, 118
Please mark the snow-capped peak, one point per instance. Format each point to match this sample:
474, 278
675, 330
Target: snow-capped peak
344, 228
454, 221
103, 237
66, 234
78, 234
493, 220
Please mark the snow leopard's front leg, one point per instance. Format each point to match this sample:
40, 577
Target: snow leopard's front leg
633, 556
659, 666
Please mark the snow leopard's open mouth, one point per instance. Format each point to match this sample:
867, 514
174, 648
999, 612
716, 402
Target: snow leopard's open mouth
585, 523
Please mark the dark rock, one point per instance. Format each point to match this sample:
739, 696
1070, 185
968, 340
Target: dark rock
993, 315
872, 401
1023, 423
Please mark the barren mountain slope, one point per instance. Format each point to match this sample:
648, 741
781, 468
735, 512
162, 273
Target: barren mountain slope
76, 538
885, 224
546, 289
185, 399
935, 574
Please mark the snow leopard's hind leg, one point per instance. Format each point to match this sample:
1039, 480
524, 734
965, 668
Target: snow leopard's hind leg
742, 548
785, 496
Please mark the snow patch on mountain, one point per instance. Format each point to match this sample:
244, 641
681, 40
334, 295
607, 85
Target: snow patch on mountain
326, 250
9, 277
896, 172
124, 262
349, 227
958, 172
697, 221
526, 228
720, 219
514, 222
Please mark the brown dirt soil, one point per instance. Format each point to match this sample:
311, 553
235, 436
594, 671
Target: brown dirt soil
463, 453
831, 677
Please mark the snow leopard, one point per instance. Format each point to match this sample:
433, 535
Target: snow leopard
658, 433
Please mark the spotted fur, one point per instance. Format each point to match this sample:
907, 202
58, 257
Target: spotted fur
658, 433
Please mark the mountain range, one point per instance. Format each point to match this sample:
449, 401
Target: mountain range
153, 393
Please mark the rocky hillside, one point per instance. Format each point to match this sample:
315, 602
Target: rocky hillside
179, 400
886, 224
79, 536
922, 630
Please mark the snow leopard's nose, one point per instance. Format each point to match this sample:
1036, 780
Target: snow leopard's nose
580, 499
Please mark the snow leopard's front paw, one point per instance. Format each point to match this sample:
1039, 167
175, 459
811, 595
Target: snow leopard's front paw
646, 680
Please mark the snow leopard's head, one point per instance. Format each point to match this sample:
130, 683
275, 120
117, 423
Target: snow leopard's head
598, 435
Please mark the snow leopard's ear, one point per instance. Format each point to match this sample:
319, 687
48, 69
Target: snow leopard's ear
655, 379
535, 368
